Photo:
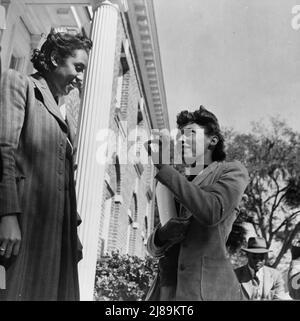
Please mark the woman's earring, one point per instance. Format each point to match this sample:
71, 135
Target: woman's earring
53, 59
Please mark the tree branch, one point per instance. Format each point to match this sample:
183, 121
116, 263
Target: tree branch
273, 205
282, 196
285, 221
286, 244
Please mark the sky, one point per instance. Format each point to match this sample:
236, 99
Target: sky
238, 58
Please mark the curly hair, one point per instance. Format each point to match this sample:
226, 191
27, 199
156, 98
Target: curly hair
63, 44
209, 121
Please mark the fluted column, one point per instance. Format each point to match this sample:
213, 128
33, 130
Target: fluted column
4, 4
2, 27
2, 18
95, 117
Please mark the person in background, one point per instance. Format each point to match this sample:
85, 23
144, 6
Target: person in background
193, 260
260, 282
294, 273
38, 215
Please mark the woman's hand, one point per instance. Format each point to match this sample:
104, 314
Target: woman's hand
161, 149
10, 236
174, 230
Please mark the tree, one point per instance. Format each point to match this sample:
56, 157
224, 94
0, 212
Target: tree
272, 157
124, 277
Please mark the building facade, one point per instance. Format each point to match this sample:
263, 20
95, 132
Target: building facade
123, 101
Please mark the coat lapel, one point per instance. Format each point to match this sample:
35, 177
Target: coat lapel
198, 180
246, 281
48, 100
72, 131
205, 173
268, 282
72, 127
248, 287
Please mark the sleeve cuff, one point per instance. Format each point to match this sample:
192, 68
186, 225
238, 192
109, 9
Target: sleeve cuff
153, 249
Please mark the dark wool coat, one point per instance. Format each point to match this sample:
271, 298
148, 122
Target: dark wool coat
35, 185
198, 268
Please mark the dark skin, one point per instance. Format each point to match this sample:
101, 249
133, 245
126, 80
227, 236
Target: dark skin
256, 260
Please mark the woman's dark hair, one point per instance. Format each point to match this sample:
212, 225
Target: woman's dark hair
63, 44
209, 122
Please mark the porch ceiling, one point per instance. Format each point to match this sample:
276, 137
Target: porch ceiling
39, 18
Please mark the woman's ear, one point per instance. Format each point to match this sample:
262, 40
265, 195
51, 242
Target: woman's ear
54, 58
213, 142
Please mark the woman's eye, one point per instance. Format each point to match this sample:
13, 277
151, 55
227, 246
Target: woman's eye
79, 68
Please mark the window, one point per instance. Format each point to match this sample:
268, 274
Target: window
140, 137
132, 226
139, 129
13, 62
119, 87
122, 84
129, 231
145, 229
17, 63
106, 223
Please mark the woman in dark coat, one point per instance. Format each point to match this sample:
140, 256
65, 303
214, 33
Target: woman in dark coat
38, 216
194, 264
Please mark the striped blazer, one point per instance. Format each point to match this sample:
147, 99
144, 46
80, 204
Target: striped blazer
33, 139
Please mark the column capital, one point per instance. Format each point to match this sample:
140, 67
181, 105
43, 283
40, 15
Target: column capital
99, 3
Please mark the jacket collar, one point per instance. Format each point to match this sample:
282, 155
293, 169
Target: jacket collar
205, 173
268, 282
72, 127
198, 181
48, 99
247, 281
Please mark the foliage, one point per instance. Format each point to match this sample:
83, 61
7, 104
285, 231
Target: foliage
124, 277
238, 258
271, 155
237, 236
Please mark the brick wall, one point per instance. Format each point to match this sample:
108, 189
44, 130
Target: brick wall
128, 185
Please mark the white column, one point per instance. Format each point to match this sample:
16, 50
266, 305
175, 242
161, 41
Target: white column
95, 116
3, 23
2, 27
2, 17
